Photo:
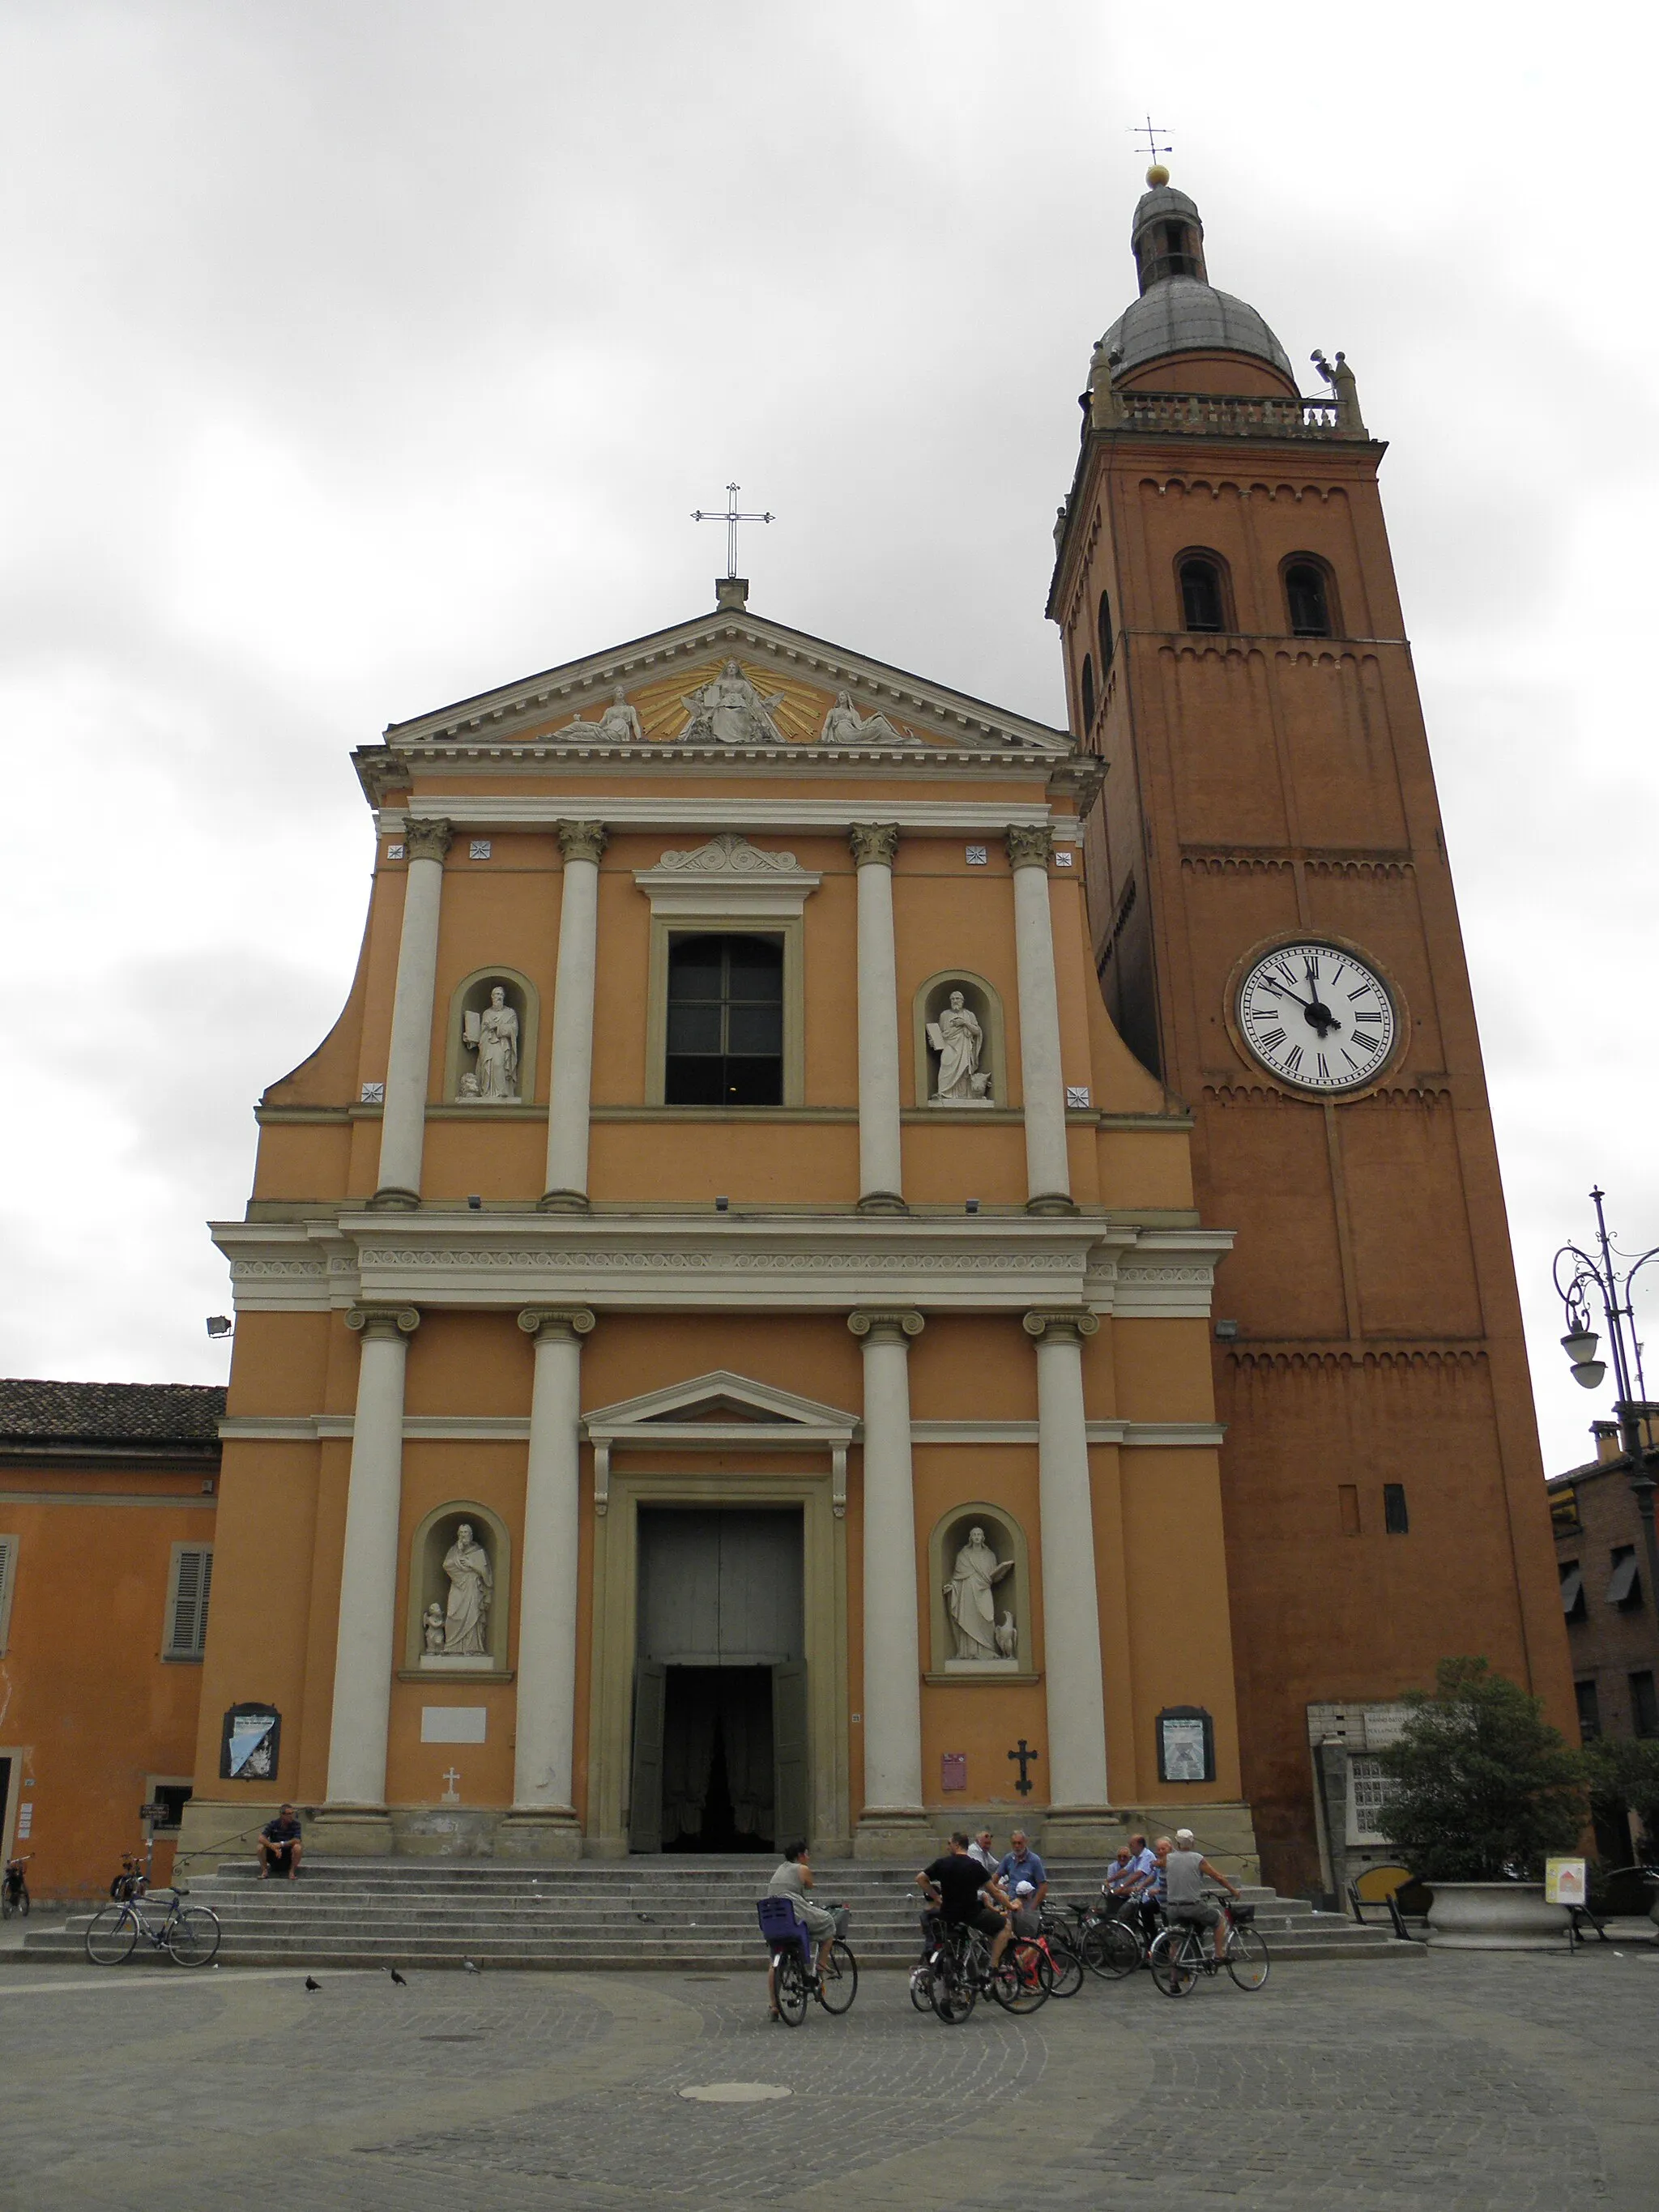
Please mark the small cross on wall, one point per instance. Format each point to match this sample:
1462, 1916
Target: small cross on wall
452, 1795
1025, 1755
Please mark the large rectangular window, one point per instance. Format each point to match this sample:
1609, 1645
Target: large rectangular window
1644, 1704
725, 1036
1590, 1711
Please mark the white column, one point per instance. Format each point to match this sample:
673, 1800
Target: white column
543, 1809
880, 1169
403, 1123
582, 844
1071, 1610
1048, 1170
364, 1652
892, 1646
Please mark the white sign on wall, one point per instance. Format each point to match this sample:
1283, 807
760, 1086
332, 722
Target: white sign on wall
453, 1724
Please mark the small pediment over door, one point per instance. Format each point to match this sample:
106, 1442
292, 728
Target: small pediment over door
721, 1411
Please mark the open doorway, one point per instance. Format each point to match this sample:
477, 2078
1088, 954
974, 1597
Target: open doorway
717, 1767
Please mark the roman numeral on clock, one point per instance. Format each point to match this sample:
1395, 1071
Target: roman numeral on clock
1270, 1039
1293, 1059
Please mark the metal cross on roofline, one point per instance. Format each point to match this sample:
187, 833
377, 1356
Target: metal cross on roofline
731, 518
1150, 130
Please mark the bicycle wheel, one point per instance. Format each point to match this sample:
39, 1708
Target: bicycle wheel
838, 1979
1174, 1961
193, 1936
1023, 1978
1110, 1950
1247, 1959
790, 1982
1067, 1965
953, 1991
921, 1986
110, 1935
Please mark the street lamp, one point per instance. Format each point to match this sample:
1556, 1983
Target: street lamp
1577, 1279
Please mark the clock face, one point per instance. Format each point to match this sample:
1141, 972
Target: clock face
1317, 1017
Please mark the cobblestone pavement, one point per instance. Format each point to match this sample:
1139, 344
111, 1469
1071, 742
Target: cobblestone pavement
1472, 2084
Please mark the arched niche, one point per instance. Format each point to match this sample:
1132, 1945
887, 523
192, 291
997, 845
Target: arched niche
428, 1585
470, 999
1011, 1592
981, 1000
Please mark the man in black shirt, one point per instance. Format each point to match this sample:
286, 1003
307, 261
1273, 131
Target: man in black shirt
953, 1883
280, 1846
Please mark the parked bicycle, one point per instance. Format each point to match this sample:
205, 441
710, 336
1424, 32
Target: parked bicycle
15, 1888
1184, 1951
134, 1877
797, 1976
188, 1933
1110, 1945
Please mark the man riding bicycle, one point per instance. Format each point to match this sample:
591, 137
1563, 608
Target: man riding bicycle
1185, 1871
955, 1883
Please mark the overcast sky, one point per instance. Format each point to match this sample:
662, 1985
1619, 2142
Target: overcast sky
362, 355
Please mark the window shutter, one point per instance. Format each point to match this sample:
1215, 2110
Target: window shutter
187, 1635
8, 1560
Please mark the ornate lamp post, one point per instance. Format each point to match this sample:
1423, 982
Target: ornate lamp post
1578, 1277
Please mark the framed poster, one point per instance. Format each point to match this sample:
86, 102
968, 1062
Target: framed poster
250, 1743
1186, 1744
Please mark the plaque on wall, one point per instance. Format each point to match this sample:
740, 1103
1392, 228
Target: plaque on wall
1186, 1744
250, 1743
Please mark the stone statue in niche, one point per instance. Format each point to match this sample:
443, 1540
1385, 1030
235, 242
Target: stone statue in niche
971, 1604
844, 725
618, 725
730, 711
493, 1034
958, 1040
472, 1586
432, 1627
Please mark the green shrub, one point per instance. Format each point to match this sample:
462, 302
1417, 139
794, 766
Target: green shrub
1483, 1786
1623, 1777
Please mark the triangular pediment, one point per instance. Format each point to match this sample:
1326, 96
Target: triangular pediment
718, 1399
729, 685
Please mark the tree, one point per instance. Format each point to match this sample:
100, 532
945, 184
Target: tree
1483, 1785
1623, 1777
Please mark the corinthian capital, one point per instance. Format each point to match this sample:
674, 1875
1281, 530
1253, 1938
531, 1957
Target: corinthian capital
572, 1322
890, 1328
1030, 844
873, 843
583, 840
426, 840
383, 1321
1070, 1326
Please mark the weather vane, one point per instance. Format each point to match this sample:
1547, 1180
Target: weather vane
1149, 130
731, 518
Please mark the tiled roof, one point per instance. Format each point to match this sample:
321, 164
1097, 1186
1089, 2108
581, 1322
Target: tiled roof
110, 1413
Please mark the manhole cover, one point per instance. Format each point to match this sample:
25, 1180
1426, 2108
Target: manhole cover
736, 2092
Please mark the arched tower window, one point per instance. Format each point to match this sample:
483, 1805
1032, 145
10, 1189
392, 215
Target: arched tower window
1088, 693
1203, 600
1103, 632
1308, 600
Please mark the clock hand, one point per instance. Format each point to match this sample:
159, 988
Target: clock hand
1285, 991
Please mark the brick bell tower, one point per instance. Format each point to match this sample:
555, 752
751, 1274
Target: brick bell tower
1277, 936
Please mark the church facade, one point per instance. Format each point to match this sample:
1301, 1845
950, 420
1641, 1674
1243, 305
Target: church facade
727, 1321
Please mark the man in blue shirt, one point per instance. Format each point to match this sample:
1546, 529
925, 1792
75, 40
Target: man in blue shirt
1022, 1864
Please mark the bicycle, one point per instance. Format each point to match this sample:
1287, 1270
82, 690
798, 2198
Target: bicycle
1110, 1947
15, 1888
1061, 1949
960, 1971
134, 1878
188, 1933
1184, 1951
797, 1975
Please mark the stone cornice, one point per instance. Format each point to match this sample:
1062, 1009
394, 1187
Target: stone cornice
701, 807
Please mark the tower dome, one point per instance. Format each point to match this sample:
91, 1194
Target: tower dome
1179, 310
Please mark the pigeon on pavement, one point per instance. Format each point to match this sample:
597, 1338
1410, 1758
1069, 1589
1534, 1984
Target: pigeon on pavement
311, 1985
397, 1977
468, 1964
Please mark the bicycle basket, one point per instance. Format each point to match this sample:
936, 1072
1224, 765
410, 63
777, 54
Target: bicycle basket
1242, 1915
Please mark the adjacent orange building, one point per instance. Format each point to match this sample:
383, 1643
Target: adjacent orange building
728, 1342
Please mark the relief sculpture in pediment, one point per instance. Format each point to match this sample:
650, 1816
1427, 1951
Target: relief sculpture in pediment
844, 725
618, 725
730, 711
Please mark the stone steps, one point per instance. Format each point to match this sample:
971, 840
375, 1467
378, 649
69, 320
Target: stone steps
592, 1914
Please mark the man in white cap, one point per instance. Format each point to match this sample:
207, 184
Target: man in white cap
1186, 1870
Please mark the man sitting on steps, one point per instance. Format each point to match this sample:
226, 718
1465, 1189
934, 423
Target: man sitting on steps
279, 1845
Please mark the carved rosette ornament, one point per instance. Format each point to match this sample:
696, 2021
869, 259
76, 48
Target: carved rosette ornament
1030, 844
874, 844
890, 1328
572, 1322
383, 1321
583, 840
427, 841
1070, 1326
